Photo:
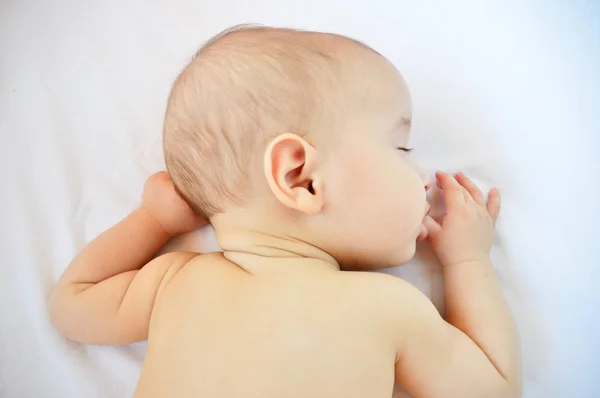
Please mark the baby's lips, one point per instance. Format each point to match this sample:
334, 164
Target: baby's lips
423, 233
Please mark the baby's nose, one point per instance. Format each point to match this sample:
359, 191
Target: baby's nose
427, 181
426, 178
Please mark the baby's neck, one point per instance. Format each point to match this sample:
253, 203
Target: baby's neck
257, 251
258, 264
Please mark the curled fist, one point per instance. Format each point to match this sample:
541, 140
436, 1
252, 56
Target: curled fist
168, 208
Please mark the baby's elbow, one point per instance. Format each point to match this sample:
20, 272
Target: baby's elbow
495, 385
512, 385
507, 389
75, 318
56, 309
513, 389
60, 311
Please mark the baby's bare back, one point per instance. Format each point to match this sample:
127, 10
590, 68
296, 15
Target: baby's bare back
218, 331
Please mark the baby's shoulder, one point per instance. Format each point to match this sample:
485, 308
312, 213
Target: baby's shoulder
384, 284
210, 269
210, 262
385, 294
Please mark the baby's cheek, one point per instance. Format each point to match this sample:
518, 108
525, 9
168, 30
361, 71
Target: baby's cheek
409, 252
411, 208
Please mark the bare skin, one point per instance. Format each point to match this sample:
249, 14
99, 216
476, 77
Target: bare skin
299, 327
286, 310
292, 327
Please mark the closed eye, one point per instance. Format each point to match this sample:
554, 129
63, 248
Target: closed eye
404, 149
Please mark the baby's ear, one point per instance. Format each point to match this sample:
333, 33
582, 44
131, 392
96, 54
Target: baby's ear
291, 171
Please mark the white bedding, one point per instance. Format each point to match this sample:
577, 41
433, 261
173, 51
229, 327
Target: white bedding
504, 90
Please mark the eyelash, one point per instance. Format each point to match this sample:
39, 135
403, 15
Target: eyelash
405, 149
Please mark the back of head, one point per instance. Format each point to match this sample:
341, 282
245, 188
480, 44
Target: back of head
244, 87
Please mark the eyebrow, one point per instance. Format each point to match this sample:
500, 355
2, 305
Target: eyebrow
405, 121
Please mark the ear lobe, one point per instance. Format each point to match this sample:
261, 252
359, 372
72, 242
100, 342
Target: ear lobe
291, 171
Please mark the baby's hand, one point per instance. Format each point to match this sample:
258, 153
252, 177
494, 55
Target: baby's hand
164, 204
466, 231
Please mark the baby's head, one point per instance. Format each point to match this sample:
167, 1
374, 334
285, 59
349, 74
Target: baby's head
302, 135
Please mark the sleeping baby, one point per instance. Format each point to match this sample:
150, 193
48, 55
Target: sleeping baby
294, 145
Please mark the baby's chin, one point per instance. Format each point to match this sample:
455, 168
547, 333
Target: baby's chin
379, 261
399, 258
388, 253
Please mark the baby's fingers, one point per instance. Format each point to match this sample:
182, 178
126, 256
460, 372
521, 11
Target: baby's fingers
432, 227
493, 203
471, 188
453, 191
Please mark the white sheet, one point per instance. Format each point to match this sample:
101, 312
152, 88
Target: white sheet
506, 91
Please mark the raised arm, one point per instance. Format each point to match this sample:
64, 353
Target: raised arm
475, 351
106, 294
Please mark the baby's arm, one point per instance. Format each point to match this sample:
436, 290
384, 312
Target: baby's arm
106, 294
475, 353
